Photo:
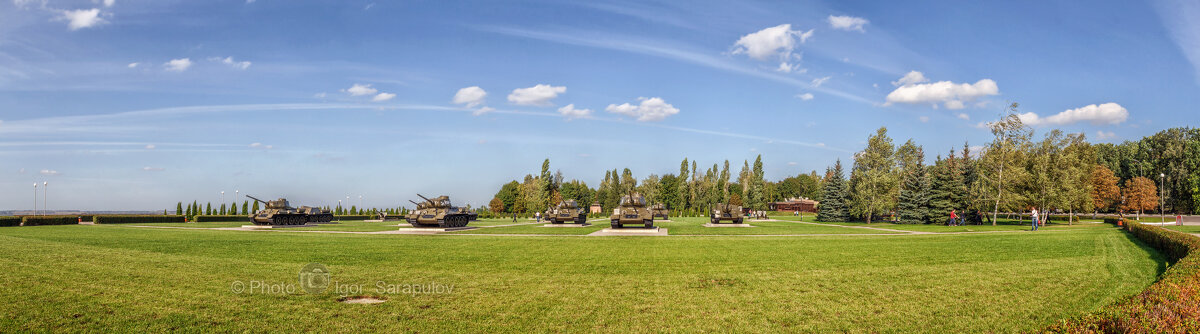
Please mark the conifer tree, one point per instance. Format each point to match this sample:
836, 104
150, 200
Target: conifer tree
208, 209
913, 206
833, 208
245, 208
179, 208
233, 208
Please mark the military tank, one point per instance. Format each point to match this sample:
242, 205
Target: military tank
437, 212
566, 211
660, 210
316, 215
632, 210
279, 212
725, 211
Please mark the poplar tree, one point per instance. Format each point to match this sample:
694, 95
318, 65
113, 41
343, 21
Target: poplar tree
179, 208
873, 180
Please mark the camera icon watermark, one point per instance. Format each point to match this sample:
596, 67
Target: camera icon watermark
315, 278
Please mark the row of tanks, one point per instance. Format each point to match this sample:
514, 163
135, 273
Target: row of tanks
440, 212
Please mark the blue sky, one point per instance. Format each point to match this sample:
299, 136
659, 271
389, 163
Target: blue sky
123, 104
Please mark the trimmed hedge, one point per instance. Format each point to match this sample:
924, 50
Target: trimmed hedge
217, 218
48, 220
354, 217
1171, 305
10, 221
129, 219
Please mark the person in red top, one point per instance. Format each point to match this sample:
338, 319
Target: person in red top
953, 218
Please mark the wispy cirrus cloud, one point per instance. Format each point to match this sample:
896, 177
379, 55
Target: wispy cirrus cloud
1179, 17
664, 49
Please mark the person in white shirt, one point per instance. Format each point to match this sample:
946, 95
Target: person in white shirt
1035, 219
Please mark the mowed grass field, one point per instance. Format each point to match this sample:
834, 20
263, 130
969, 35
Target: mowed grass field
126, 278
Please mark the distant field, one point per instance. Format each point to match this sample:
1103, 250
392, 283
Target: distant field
124, 279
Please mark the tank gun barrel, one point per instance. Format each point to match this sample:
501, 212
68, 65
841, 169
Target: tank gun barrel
426, 199
258, 200
411, 201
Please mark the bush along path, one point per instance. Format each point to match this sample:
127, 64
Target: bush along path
1171, 305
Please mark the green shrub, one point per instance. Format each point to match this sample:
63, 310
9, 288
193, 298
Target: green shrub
10, 221
217, 218
352, 217
1171, 305
48, 220
132, 219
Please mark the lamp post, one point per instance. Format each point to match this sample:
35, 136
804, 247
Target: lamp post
222, 197
339, 208
35, 210
45, 190
360, 202
1162, 203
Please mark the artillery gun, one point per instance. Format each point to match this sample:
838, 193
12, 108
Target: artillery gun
660, 210
632, 210
437, 212
566, 211
726, 211
279, 212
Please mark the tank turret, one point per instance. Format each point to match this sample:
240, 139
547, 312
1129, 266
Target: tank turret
632, 210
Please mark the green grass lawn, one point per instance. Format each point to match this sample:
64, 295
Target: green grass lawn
1003, 225
113, 278
1184, 228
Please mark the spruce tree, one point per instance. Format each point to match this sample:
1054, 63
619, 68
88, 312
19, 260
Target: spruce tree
833, 208
913, 206
233, 208
208, 209
179, 208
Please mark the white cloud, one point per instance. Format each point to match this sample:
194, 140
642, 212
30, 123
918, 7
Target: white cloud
178, 65
805, 96
570, 112
819, 81
82, 18
964, 116
320, 95
262, 146
792, 163
952, 95
913, 77
539, 95
133, 65
650, 109
923, 119
241, 65
22, 171
1102, 135
153, 169
1104, 114
848, 23
150, 147
383, 97
109, 3
470, 96
482, 110
775, 42
50, 172
360, 90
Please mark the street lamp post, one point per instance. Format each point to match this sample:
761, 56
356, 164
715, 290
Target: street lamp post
360, 202
339, 208
1162, 203
45, 190
35, 210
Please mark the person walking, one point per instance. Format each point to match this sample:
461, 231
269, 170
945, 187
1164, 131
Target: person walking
1034, 212
538, 216
953, 217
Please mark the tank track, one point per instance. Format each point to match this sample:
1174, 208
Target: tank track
447, 222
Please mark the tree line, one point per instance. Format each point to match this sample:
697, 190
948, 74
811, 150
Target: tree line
691, 191
1014, 173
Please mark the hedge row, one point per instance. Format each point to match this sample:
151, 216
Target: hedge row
48, 220
10, 221
1171, 305
354, 217
219, 218
115, 219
